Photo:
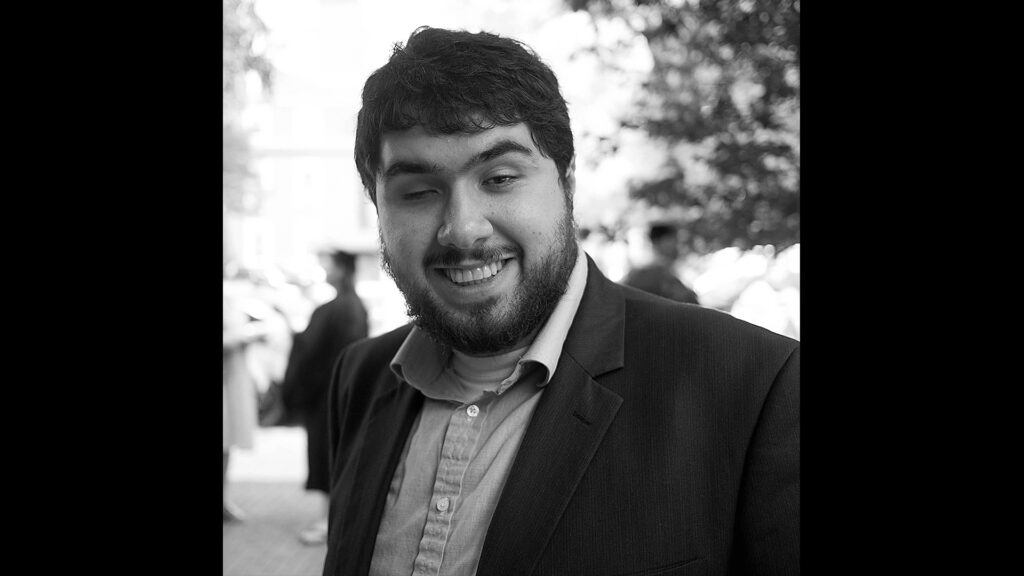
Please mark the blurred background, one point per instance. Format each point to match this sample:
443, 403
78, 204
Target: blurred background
684, 112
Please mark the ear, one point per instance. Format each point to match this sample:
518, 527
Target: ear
570, 178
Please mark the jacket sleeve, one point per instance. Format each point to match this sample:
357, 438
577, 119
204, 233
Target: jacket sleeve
768, 522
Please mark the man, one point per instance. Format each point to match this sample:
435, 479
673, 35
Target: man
536, 418
332, 326
658, 276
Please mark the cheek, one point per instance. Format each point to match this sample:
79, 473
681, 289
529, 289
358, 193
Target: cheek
544, 216
406, 238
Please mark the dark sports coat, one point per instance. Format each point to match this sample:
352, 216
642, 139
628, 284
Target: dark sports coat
667, 442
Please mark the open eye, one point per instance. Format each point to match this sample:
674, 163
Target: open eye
501, 180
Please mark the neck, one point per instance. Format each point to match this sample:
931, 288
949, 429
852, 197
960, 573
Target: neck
485, 372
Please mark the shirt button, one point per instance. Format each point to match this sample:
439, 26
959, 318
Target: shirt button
443, 503
472, 411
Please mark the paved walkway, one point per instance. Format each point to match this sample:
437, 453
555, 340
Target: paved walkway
267, 483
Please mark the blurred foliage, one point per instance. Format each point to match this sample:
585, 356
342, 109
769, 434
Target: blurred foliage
723, 95
243, 30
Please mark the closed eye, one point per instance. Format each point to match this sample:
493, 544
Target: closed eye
417, 194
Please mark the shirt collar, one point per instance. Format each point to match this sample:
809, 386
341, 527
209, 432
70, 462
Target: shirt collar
420, 359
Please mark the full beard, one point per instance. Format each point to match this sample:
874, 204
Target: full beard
487, 328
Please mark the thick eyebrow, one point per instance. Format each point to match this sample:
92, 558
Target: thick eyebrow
499, 148
407, 167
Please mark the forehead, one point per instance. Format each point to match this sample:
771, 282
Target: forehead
419, 145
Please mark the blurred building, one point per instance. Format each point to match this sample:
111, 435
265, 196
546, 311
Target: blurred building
301, 137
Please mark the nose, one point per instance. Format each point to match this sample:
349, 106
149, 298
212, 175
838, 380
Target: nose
466, 222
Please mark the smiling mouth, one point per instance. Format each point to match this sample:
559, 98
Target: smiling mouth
474, 275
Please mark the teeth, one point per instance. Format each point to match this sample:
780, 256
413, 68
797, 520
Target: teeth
465, 276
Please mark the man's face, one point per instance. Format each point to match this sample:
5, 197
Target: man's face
477, 232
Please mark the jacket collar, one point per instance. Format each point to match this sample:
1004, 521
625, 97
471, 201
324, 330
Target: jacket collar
567, 427
596, 339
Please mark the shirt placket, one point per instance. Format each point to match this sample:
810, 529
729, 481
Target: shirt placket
464, 426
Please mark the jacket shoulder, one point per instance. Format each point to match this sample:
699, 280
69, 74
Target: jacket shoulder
695, 323
374, 352
362, 373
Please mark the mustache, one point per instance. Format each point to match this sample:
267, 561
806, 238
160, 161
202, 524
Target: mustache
446, 256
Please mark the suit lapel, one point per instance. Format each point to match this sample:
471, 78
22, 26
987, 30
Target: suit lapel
385, 435
566, 429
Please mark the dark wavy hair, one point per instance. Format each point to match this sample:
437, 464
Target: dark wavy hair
450, 81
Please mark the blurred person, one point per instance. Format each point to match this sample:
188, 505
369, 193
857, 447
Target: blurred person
535, 417
659, 276
268, 357
241, 394
332, 326
273, 304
